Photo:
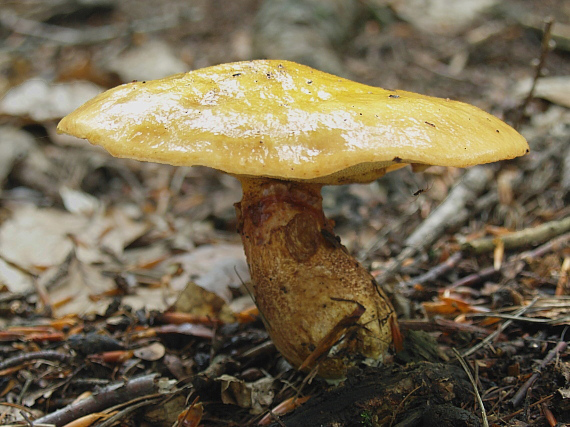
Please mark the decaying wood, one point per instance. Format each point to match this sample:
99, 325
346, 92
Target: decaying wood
407, 396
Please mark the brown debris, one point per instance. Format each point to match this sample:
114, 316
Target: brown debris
96, 251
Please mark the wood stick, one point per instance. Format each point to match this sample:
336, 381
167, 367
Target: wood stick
526, 237
544, 49
434, 273
500, 329
560, 347
452, 212
105, 398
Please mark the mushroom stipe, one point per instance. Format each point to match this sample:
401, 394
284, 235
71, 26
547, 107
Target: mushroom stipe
285, 130
306, 285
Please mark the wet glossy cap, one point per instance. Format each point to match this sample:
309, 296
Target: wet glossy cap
284, 120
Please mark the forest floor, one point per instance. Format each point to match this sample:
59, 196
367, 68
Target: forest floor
122, 296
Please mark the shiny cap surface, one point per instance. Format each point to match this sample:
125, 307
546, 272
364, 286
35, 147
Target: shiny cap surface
288, 121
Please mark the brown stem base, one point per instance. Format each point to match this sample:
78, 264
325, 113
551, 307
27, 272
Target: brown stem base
311, 293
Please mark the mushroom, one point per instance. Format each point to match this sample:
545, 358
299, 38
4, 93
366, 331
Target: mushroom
285, 130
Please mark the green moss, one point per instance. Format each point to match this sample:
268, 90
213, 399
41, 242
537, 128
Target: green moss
366, 419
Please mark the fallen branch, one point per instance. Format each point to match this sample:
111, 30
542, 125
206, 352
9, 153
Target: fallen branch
526, 237
473, 279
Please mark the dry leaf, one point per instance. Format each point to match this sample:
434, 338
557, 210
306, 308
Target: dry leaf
78, 202
441, 16
554, 89
14, 144
35, 239
75, 295
13, 278
43, 101
256, 396
202, 302
152, 352
152, 60
214, 268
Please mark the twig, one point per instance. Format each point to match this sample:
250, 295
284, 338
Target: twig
474, 278
276, 419
500, 329
520, 319
401, 404
27, 418
555, 244
560, 347
452, 212
26, 357
120, 415
69, 36
544, 49
528, 236
514, 414
435, 272
334, 335
42, 289
108, 396
526, 411
479, 400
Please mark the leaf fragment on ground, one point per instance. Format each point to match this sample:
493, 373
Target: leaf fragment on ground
41, 101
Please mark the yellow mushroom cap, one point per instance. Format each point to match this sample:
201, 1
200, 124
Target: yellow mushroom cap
288, 121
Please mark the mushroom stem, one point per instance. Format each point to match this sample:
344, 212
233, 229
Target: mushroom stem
305, 283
